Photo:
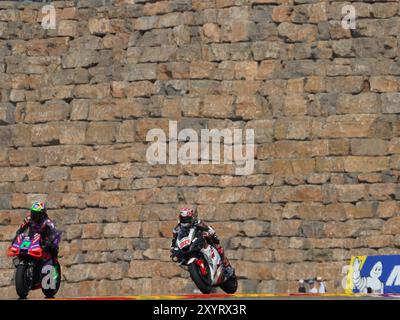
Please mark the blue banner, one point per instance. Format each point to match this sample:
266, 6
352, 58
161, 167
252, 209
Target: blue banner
374, 274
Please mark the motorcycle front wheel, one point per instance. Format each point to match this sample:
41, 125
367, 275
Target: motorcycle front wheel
23, 280
203, 283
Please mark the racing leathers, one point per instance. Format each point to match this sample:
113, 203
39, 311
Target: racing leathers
210, 235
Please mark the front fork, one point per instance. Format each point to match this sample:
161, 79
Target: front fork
16, 262
29, 271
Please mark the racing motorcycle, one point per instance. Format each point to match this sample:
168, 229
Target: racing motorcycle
35, 266
202, 260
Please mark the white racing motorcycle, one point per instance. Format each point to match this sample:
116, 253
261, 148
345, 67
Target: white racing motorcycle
202, 260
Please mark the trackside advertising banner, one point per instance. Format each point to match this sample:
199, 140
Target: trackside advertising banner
374, 274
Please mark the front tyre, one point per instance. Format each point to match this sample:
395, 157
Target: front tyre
230, 285
200, 281
23, 281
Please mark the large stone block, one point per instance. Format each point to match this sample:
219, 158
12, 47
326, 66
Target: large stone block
6, 114
357, 126
296, 33
99, 26
296, 128
369, 147
366, 164
298, 193
80, 58
146, 71
97, 91
67, 28
53, 110
217, 106
293, 167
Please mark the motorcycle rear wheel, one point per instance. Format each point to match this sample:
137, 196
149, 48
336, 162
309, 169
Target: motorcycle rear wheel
50, 293
22, 281
201, 283
230, 285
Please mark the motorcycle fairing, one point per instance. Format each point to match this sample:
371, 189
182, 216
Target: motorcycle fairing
26, 244
214, 262
185, 240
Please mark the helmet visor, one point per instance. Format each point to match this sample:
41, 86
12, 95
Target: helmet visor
37, 216
186, 220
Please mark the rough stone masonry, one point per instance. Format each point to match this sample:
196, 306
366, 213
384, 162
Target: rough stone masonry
78, 100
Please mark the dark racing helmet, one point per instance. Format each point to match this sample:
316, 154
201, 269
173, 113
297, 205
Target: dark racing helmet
187, 217
38, 211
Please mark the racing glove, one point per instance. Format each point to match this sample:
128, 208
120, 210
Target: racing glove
174, 251
207, 234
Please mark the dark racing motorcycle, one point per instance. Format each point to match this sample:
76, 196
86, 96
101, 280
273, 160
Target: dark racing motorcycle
36, 269
202, 260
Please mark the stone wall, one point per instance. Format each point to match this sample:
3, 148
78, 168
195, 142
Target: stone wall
77, 102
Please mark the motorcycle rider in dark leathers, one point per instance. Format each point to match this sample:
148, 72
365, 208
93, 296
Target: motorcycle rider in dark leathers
188, 219
39, 222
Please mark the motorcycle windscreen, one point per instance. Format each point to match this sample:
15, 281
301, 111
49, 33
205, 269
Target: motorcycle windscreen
183, 233
184, 238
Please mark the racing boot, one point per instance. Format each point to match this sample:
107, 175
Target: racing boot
227, 270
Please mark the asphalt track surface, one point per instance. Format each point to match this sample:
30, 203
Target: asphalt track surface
246, 297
